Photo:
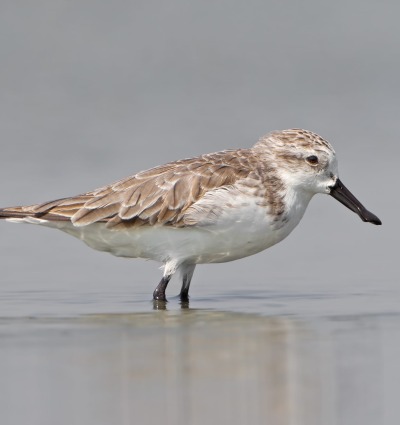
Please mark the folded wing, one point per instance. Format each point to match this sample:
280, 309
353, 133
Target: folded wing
160, 195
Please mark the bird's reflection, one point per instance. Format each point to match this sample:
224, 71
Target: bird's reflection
162, 305
159, 305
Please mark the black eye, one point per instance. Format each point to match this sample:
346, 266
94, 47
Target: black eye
312, 160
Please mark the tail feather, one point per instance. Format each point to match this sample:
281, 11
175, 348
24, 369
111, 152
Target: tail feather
14, 212
26, 212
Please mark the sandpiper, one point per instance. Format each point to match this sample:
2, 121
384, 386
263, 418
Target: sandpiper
214, 208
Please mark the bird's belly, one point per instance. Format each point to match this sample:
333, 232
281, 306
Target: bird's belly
226, 240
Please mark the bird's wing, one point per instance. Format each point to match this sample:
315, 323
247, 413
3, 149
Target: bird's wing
160, 195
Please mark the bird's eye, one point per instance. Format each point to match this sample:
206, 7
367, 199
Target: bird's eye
312, 160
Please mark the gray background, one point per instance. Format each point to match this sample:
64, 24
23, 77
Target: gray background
93, 91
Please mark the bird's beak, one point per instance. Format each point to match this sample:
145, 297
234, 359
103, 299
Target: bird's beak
343, 195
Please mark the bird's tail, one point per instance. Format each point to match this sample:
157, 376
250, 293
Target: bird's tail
35, 213
15, 212
23, 214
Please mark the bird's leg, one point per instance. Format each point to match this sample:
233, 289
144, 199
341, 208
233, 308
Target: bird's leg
159, 292
184, 294
187, 273
170, 268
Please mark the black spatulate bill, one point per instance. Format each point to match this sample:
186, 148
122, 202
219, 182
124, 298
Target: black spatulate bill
340, 192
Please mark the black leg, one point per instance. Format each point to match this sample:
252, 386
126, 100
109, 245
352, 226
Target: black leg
186, 279
184, 295
159, 292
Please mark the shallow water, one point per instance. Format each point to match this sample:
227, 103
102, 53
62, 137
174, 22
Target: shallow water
197, 366
103, 357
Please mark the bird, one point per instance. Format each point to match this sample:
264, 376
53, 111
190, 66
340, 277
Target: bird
214, 208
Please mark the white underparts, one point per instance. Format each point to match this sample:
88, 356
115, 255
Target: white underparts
241, 229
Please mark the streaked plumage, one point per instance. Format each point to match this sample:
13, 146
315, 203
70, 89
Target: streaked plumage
213, 208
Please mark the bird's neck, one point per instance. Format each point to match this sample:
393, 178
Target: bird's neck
296, 201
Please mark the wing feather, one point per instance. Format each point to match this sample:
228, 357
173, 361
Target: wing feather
160, 195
